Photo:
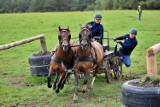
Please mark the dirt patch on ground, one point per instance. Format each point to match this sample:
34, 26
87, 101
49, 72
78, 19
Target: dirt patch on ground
129, 77
148, 82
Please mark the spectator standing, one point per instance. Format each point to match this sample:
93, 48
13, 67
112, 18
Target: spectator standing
139, 11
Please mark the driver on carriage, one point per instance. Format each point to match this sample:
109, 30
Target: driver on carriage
96, 27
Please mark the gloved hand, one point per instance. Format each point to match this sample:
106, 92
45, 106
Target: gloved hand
89, 26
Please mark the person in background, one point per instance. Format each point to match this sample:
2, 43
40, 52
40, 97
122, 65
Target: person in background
96, 27
130, 42
139, 11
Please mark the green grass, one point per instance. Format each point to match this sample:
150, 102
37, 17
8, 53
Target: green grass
18, 86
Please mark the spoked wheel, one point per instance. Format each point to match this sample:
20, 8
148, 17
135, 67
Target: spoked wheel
117, 68
107, 72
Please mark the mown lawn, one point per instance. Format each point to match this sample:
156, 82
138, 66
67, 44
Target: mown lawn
18, 86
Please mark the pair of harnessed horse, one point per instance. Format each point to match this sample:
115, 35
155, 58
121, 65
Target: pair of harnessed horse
83, 57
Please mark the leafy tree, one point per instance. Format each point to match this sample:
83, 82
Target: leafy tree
75, 5
50, 5
109, 4
13, 6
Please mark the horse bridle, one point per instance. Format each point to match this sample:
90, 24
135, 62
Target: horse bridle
59, 37
88, 38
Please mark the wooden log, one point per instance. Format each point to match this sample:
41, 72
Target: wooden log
13, 44
151, 60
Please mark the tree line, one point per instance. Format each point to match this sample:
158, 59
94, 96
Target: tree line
14, 6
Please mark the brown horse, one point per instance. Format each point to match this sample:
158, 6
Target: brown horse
63, 55
89, 56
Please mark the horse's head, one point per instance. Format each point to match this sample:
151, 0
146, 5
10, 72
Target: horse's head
85, 37
64, 38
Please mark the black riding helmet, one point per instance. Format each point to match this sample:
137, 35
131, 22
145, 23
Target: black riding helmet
98, 16
133, 31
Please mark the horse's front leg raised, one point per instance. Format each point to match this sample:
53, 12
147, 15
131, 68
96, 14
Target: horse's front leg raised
86, 77
75, 97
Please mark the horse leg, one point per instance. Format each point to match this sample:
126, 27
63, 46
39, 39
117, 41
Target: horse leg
49, 80
93, 79
75, 97
65, 80
55, 80
86, 77
60, 82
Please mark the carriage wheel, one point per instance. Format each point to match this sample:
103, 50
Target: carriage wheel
107, 72
117, 68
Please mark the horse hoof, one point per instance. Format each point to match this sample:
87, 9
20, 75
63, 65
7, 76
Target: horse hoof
57, 91
49, 86
83, 91
62, 87
75, 99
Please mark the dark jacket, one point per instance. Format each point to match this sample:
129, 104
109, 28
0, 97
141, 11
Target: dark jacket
97, 29
128, 45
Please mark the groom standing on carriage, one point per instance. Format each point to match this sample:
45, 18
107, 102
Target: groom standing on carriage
96, 27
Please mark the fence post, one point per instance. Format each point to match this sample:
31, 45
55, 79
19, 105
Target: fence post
151, 60
43, 44
13, 44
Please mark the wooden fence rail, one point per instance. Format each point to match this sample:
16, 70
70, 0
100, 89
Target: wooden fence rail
13, 44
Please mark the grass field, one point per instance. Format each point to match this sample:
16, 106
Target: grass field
17, 86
